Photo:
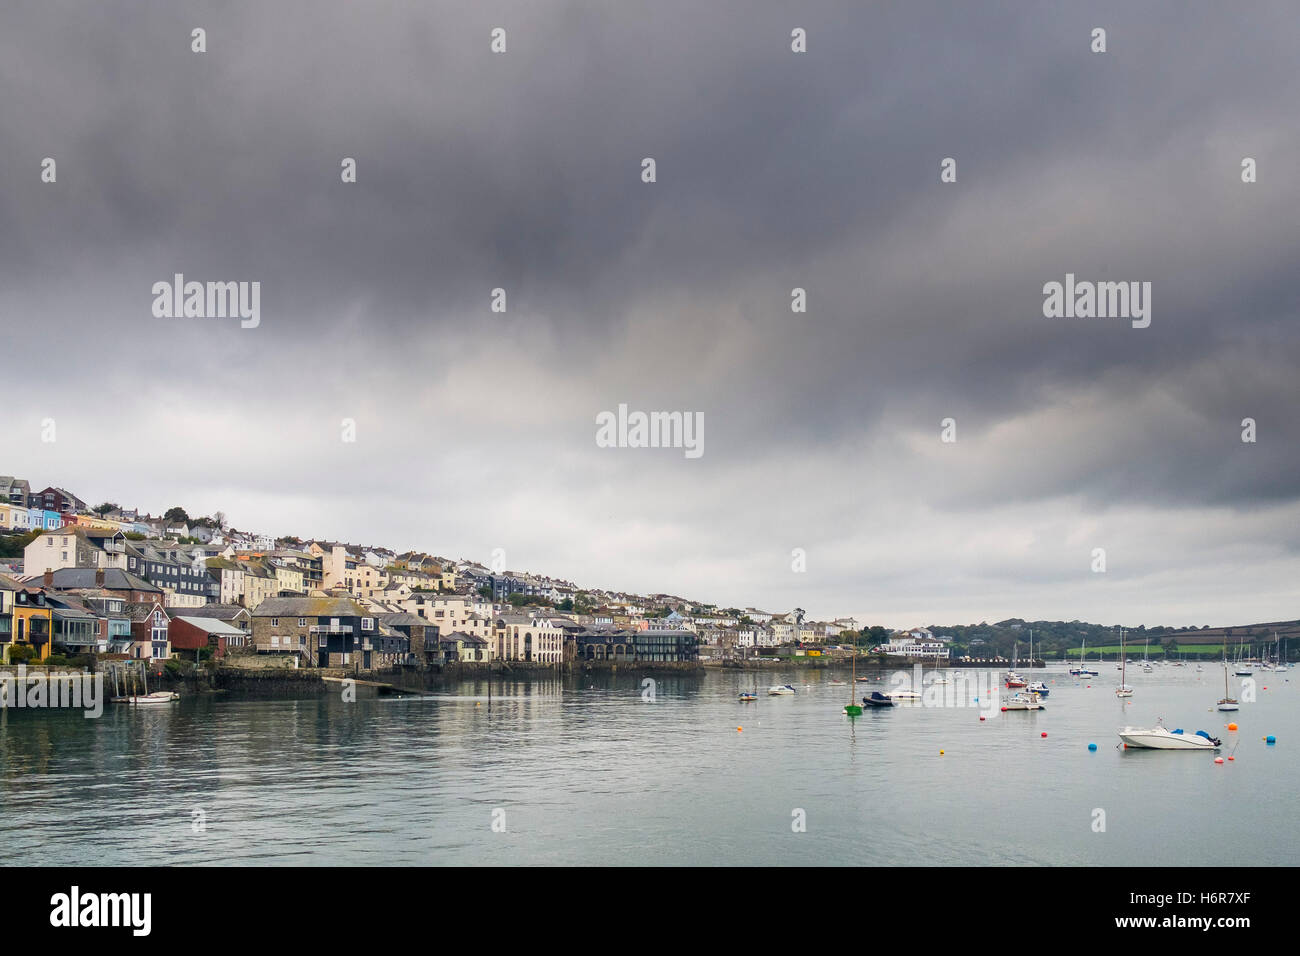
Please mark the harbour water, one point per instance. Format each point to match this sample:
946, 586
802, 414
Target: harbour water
585, 769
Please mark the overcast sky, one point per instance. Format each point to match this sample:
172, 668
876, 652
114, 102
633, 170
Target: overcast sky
820, 170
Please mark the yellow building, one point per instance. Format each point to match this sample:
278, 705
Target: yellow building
32, 619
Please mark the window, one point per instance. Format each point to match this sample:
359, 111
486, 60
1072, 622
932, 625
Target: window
302, 622
275, 622
367, 624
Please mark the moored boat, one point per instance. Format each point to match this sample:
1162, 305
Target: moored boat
877, 699
157, 697
782, 690
1022, 702
1158, 738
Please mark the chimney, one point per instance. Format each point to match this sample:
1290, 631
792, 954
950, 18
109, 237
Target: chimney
99, 577
49, 578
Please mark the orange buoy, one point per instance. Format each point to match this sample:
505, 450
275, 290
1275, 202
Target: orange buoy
1232, 726
1218, 760
1231, 757
1044, 734
940, 753
1004, 710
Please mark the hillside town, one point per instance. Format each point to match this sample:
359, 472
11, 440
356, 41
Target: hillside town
121, 584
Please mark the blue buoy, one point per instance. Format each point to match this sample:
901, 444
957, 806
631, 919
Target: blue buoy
1270, 739
1092, 746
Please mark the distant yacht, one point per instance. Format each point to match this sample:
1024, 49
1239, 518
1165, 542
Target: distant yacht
783, 690
1082, 669
1123, 690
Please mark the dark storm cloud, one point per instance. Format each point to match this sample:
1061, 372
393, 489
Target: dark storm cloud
775, 170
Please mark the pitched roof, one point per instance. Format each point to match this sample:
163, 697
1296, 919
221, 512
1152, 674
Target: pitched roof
209, 625
222, 612
308, 607
115, 579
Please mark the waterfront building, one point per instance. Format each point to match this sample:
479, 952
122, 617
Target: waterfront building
461, 647
664, 645
193, 634
326, 632
150, 624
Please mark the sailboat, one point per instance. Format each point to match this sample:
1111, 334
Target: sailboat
1081, 670
1146, 664
1228, 703
1037, 686
1013, 679
1243, 668
852, 709
1123, 690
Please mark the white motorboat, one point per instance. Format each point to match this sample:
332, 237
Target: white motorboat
898, 695
1158, 738
1022, 702
157, 697
781, 691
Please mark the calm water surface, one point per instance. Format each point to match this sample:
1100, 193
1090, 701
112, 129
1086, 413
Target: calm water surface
586, 771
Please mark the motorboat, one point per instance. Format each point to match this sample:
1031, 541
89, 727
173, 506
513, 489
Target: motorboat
157, 697
877, 699
748, 696
783, 690
1022, 702
1158, 738
904, 695
1038, 687
1015, 680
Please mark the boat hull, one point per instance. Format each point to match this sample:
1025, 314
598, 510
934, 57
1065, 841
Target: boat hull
1161, 739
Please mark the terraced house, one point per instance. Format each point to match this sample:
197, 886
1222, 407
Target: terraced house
32, 619
177, 569
326, 632
74, 547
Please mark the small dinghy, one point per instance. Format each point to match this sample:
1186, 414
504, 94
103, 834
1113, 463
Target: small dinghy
748, 696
